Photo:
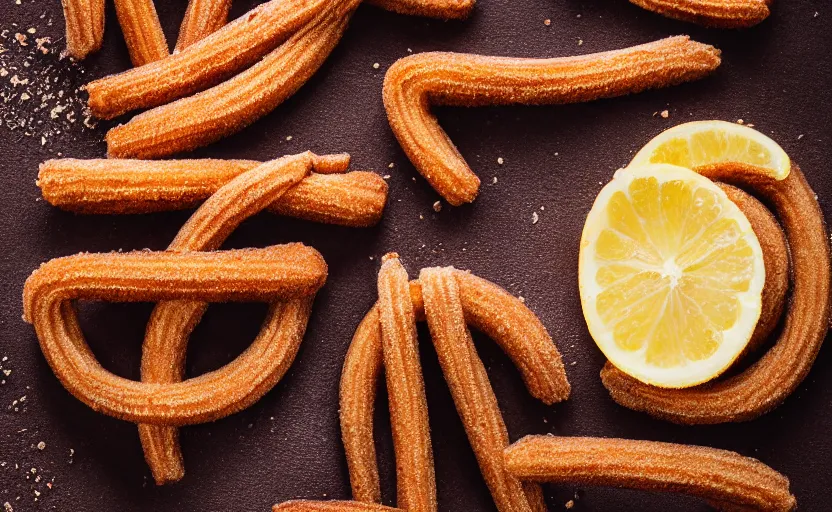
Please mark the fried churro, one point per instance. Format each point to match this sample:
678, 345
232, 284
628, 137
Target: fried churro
415, 478
768, 382
202, 18
234, 104
443, 9
484, 306
330, 506
413, 83
204, 63
471, 390
142, 31
712, 13
171, 323
726, 479
289, 272
112, 186
84, 26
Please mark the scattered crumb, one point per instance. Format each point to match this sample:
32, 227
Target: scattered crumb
421, 217
376, 65
569, 504
521, 299
21, 39
547, 22
386, 177
740, 121
437, 206
500, 160
580, 42
750, 125
665, 114
8, 507
32, 30
288, 137
41, 446
494, 180
800, 136
535, 217
391, 165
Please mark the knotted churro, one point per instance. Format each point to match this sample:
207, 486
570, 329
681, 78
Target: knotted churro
142, 31
112, 186
413, 83
726, 479
84, 26
712, 13
330, 506
202, 18
765, 384
489, 309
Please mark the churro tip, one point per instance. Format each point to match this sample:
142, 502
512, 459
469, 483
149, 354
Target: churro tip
390, 256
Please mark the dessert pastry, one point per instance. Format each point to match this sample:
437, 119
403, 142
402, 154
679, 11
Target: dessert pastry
202, 18
142, 31
711, 13
84, 26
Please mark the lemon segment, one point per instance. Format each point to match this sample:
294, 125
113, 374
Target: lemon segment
700, 143
671, 276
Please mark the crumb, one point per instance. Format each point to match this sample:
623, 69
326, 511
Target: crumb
665, 114
547, 22
21, 39
391, 165
386, 177
32, 30
421, 217
740, 121
288, 138
535, 217
8, 507
800, 136
41, 446
569, 504
580, 42
376, 65
521, 299
437, 206
494, 180
409, 50
750, 125
500, 160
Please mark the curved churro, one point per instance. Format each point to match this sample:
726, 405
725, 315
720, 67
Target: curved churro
288, 272
171, 323
142, 31
84, 26
471, 390
486, 307
712, 13
202, 18
203, 64
112, 186
234, 104
415, 478
330, 506
415, 82
764, 385
726, 479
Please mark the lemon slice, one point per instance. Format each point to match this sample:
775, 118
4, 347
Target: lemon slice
711, 142
671, 276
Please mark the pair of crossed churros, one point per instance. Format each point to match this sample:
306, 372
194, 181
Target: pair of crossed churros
184, 278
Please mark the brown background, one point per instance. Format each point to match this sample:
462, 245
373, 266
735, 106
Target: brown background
777, 76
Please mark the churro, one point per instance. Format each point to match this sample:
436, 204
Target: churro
712, 13
487, 308
768, 382
84, 26
202, 18
203, 64
413, 83
443, 9
112, 186
289, 273
171, 323
726, 479
234, 104
142, 31
330, 506
415, 478
471, 390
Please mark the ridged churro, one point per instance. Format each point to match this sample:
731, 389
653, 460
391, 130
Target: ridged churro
486, 307
203, 64
413, 83
280, 273
330, 506
471, 390
712, 13
142, 31
234, 104
112, 186
84, 26
768, 382
415, 478
171, 323
443, 9
202, 18
728, 480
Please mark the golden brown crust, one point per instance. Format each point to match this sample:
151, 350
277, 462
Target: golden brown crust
84, 26
142, 31
726, 479
226, 108
711, 13
112, 186
415, 82
202, 18
415, 478
443, 9
768, 382
330, 506
203, 64
471, 390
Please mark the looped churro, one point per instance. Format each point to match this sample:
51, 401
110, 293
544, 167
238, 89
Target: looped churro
142, 31
112, 186
84, 26
413, 83
726, 479
712, 13
487, 308
768, 382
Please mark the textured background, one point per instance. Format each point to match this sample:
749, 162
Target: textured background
776, 76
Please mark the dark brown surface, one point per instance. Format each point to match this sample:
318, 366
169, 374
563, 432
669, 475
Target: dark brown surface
776, 76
